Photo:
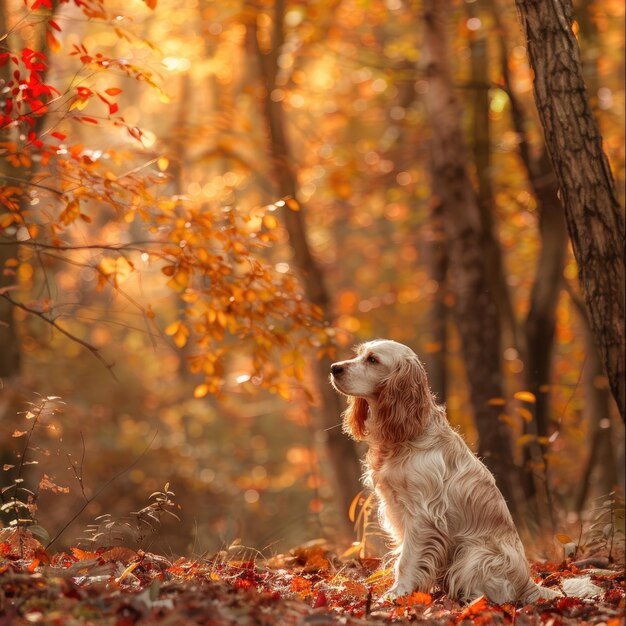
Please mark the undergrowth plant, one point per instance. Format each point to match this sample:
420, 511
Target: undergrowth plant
19, 497
602, 535
21, 491
606, 533
136, 527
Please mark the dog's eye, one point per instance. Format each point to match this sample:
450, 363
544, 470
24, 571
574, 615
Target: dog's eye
372, 359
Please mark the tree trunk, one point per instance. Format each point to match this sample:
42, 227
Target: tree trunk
475, 311
436, 258
9, 343
594, 216
341, 451
10, 352
481, 151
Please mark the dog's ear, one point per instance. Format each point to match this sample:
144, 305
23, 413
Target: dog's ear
354, 418
404, 402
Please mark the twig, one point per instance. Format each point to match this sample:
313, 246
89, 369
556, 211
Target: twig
69, 335
106, 484
79, 474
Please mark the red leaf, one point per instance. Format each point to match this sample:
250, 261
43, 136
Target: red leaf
59, 136
320, 601
54, 25
41, 3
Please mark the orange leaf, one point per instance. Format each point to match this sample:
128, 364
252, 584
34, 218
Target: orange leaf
46, 483
151, 4
83, 555
53, 43
525, 396
113, 91
476, 607
119, 553
418, 597
70, 213
200, 391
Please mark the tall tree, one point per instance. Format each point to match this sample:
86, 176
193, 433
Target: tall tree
341, 451
475, 310
594, 217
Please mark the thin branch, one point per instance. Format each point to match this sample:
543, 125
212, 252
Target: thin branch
54, 324
27, 183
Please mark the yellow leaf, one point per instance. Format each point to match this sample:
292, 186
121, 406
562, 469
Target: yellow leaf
525, 414
377, 575
172, 328
79, 103
525, 396
200, 391
353, 505
181, 335
163, 163
116, 269
269, 221
179, 281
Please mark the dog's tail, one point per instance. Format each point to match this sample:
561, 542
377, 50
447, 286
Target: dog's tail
578, 587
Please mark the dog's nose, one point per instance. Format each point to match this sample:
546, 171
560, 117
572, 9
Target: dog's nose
336, 369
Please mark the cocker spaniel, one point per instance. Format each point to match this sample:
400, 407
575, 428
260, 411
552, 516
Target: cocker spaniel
438, 502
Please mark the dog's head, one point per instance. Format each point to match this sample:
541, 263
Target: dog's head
386, 382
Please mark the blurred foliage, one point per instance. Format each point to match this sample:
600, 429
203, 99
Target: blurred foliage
148, 236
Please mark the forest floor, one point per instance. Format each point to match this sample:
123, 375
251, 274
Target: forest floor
309, 587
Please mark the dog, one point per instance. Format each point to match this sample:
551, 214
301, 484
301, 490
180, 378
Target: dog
447, 518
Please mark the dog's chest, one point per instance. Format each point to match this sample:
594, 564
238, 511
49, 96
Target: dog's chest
406, 480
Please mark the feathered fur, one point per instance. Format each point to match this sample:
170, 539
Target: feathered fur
437, 501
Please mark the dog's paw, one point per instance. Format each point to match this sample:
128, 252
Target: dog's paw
398, 590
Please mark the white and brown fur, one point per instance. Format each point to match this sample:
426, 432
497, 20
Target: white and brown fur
440, 505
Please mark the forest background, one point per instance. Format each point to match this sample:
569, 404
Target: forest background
206, 203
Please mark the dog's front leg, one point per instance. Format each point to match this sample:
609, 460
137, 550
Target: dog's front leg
420, 561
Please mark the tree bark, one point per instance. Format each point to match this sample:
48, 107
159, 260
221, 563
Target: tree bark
594, 217
475, 311
341, 450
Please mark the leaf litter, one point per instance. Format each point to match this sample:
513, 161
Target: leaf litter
311, 586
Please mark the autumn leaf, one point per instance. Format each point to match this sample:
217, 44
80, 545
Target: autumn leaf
53, 42
179, 333
70, 213
115, 270
200, 391
474, 608
46, 483
525, 396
